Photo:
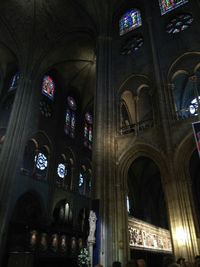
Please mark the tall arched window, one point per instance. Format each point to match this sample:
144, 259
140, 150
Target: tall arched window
61, 169
14, 82
48, 87
130, 21
81, 182
168, 5
85, 180
64, 171
70, 117
41, 163
88, 130
6, 104
63, 212
186, 92
29, 157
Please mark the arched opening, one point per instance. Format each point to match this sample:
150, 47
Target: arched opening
144, 107
147, 203
27, 215
63, 213
186, 94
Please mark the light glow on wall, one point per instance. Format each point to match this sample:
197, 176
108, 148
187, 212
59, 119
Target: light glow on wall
181, 236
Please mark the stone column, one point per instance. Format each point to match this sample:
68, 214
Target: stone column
22, 121
100, 175
107, 189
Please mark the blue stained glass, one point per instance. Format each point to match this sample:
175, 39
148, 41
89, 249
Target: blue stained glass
48, 87
14, 82
168, 5
81, 180
41, 161
61, 170
128, 204
130, 21
193, 108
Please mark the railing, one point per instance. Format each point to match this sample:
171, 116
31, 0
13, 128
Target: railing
137, 127
183, 114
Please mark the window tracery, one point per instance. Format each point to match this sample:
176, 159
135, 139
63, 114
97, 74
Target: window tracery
131, 45
179, 23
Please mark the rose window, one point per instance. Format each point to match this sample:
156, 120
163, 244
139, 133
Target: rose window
131, 45
179, 23
41, 161
61, 170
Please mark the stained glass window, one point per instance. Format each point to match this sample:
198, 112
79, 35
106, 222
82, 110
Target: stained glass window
88, 130
71, 103
193, 108
14, 81
41, 161
48, 87
61, 170
81, 180
130, 21
70, 117
128, 204
168, 5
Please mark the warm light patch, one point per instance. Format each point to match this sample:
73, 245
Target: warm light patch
181, 236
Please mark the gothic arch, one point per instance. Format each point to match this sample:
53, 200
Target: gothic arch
62, 211
183, 78
136, 92
186, 62
183, 153
137, 151
134, 81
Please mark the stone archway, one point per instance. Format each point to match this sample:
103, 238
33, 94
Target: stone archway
28, 214
145, 191
124, 163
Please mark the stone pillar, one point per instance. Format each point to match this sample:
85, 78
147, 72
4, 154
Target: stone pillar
22, 121
107, 189
163, 118
100, 175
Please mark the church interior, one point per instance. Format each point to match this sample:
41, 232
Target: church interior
99, 110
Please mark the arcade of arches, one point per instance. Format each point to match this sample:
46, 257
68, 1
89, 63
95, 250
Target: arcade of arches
97, 101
